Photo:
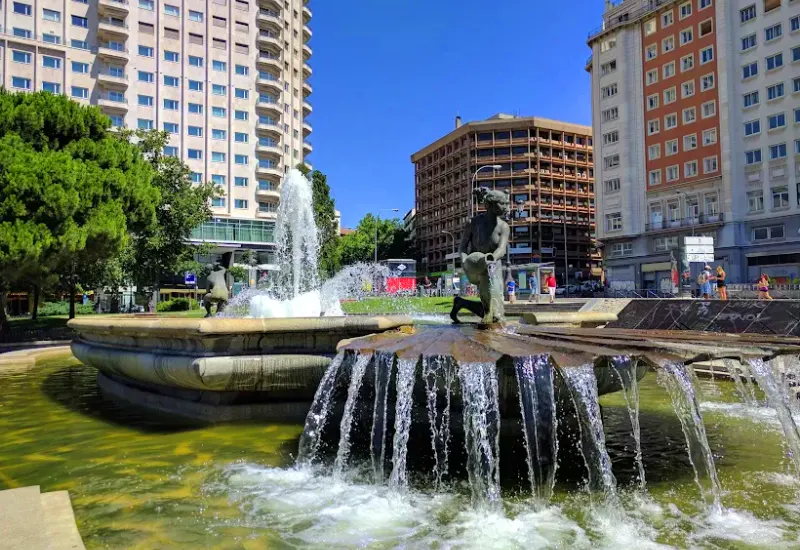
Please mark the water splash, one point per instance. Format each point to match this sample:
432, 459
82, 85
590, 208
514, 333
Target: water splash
539, 422
626, 368
356, 378
678, 382
778, 400
406, 369
741, 379
436, 370
383, 374
582, 384
318, 414
481, 431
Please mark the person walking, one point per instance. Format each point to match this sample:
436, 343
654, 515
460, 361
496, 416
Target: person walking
551, 287
723, 291
763, 287
534, 284
511, 285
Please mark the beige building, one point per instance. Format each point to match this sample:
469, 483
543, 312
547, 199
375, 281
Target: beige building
228, 79
546, 166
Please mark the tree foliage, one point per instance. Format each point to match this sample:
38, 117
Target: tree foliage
359, 246
325, 218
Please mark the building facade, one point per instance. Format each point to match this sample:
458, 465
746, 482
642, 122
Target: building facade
546, 167
228, 79
695, 107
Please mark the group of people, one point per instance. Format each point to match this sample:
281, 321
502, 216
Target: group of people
550, 282
706, 277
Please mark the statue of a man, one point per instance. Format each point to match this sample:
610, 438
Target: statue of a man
220, 283
483, 246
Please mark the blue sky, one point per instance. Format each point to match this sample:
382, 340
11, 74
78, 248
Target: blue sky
390, 76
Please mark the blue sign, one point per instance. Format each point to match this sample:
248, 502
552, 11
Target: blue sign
190, 279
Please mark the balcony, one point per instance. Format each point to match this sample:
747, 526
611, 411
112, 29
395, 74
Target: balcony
267, 214
269, 107
270, 83
269, 39
307, 72
233, 231
269, 128
268, 193
307, 34
683, 224
307, 147
307, 89
306, 108
269, 19
119, 7
112, 26
270, 171
269, 150
306, 129
113, 103
119, 80
273, 5
113, 51
306, 52
265, 60
306, 15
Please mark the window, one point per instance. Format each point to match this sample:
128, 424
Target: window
707, 55
610, 114
797, 116
218, 89
777, 151
775, 91
667, 19
671, 147
670, 96
217, 179
611, 138
609, 162
21, 83
240, 203
196, 16
218, 134
145, 100
709, 137
709, 108
752, 128
687, 35
622, 249
144, 124
687, 89
652, 76
649, 27
145, 51
767, 233
651, 52
672, 172
240, 137
171, 81
196, 108
240, 181
747, 14
752, 157
241, 115
117, 120
195, 154
751, 99
653, 127
685, 10
218, 112
172, 57
777, 121
690, 169
242, 70
172, 10
240, 159
195, 61
217, 156
218, 202
671, 121
755, 201
687, 63
669, 69
750, 70
773, 33
25, 33
710, 165
171, 128
609, 91
796, 85
78, 67
145, 76
241, 93
21, 8
654, 177
196, 131
690, 142
608, 68
706, 82
195, 86
797, 152
612, 185
775, 62
147, 5
794, 23
689, 115
51, 15
51, 38
770, 5
170, 151
80, 93
712, 205
78, 21
668, 44
606, 45
652, 102
614, 221
21, 57
219, 65
706, 28
780, 197
749, 42
52, 87
171, 104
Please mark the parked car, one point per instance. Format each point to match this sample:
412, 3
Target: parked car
569, 289
591, 286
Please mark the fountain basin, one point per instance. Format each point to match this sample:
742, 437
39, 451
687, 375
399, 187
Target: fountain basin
286, 357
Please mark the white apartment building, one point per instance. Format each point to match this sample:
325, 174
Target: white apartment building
696, 104
228, 79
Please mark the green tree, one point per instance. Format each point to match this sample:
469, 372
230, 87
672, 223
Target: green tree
325, 218
359, 246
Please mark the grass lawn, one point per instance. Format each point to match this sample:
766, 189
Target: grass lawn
42, 323
376, 306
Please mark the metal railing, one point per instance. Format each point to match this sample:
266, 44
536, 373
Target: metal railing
685, 222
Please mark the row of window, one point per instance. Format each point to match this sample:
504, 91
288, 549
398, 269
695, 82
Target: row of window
780, 200
688, 116
687, 64
774, 122
749, 13
776, 152
689, 144
686, 36
668, 17
772, 33
772, 63
688, 89
690, 170
243, 204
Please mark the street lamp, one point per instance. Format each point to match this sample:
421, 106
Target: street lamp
686, 202
377, 219
472, 188
566, 259
446, 232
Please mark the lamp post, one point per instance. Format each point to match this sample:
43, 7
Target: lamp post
566, 259
472, 187
686, 201
446, 232
377, 219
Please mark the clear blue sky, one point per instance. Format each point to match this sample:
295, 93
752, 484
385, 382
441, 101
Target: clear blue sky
390, 76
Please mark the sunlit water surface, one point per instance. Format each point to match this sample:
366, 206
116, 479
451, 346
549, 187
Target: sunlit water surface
141, 481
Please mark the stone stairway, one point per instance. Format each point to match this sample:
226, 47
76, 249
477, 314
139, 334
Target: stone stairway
31, 520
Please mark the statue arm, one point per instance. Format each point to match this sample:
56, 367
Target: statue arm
466, 238
501, 249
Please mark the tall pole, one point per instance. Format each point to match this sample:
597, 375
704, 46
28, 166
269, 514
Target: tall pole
472, 186
566, 260
446, 232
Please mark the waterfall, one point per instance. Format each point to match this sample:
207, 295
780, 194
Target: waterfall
356, 377
481, 431
435, 369
318, 414
383, 373
539, 422
625, 368
583, 388
778, 400
787, 369
741, 379
406, 369
678, 382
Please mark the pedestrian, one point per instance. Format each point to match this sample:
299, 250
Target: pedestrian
763, 287
723, 291
704, 280
534, 284
551, 287
512, 291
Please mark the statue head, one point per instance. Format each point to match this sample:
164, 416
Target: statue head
496, 202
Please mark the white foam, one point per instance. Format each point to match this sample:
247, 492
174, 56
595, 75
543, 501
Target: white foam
741, 526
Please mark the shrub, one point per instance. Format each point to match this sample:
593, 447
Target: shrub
178, 304
52, 309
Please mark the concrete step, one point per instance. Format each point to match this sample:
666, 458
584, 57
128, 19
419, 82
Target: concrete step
59, 522
21, 519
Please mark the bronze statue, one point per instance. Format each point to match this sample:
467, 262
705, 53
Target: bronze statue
220, 283
483, 246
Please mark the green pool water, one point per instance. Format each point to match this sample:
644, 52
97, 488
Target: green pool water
141, 480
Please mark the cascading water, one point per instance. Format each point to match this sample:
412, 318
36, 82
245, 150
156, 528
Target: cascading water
539, 423
318, 413
741, 379
582, 384
439, 374
678, 381
625, 368
356, 378
406, 369
383, 374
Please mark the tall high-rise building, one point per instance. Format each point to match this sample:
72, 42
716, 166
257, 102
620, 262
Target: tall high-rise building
695, 108
228, 79
544, 165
